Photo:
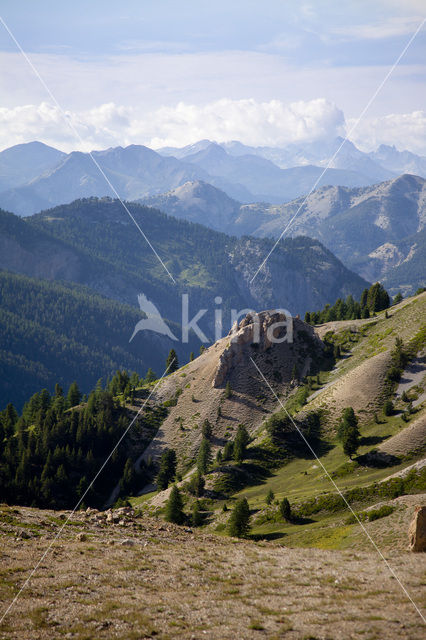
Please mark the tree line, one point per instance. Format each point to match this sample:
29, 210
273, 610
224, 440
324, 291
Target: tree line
372, 300
51, 452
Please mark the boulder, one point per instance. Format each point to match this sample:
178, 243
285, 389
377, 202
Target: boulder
417, 530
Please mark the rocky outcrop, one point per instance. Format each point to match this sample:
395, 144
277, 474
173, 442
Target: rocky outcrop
262, 329
417, 530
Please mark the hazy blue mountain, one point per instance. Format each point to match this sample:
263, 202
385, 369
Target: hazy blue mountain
34, 177
188, 150
399, 161
261, 176
318, 153
87, 258
367, 228
93, 242
24, 162
198, 202
134, 171
409, 272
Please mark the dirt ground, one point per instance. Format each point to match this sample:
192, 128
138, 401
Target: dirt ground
147, 579
355, 389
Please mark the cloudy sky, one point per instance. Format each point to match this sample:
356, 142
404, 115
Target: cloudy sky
168, 72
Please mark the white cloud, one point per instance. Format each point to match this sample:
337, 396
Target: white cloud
251, 122
404, 130
254, 123
392, 27
272, 123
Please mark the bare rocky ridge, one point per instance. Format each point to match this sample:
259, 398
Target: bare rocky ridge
200, 385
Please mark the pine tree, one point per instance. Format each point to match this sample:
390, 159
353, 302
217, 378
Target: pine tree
196, 518
167, 470
285, 509
228, 390
206, 429
174, 507
204, 457
348, 432
150, 376
74, 395
348, 421
228, 450
240, 444
270, 497
239, 521
191, 356
172, 363
196, 485
128, 479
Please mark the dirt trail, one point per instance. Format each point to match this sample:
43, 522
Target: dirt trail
414, 375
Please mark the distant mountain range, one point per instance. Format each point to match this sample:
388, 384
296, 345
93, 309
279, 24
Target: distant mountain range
79, 258
386, 162
378, 231
34, 176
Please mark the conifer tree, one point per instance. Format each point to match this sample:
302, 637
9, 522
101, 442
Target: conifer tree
172, 363
167, 471
240, 444
150, 376
197, 518
239, 521
206, 429
204, 457
196, 485
348, 432
73, 395
270, 497
285, 509
174, 507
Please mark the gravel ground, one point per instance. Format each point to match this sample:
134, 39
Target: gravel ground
147, 579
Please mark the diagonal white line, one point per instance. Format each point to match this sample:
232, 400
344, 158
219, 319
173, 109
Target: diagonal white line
95, 162
352, 129
392, 571
15, 599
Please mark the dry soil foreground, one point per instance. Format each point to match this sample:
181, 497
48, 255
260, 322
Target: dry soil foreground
146, 579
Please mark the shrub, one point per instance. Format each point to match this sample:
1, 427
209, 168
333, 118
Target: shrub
384, 510
388, 408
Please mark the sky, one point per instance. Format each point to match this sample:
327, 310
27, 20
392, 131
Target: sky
168, 73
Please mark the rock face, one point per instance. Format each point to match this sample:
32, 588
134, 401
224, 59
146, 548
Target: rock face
261, 329
417, 530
